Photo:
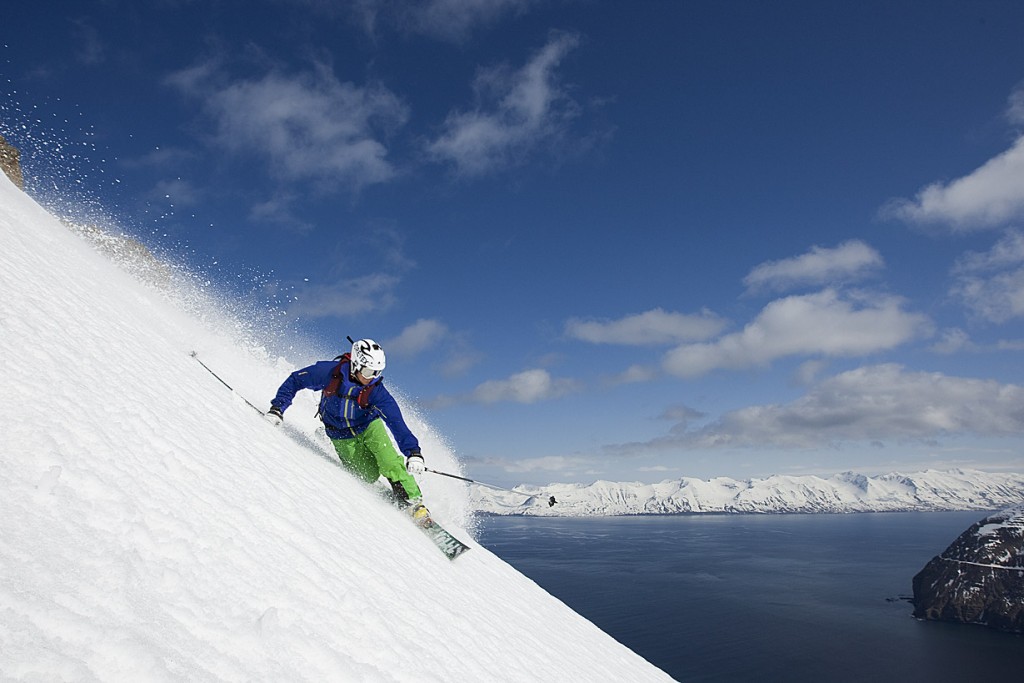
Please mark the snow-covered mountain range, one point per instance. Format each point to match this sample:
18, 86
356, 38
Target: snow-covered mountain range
846, 492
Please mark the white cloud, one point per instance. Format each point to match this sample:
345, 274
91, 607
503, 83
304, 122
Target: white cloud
196, 79
518, 112
449, 352
459, 360
349, 297
848, 261
989, 197
279, 209
1008, 251
821, 324
996, 299
308, 127
529, 386
416, 338
875, 403
952, 340
682, 416
1015, 105
808, 372
91, 49
991, 284
455, 19
886, 402
448, 20
650, 328
551, 463
633, 375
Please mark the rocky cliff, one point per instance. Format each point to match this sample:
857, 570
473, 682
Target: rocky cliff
979, 579
10, 163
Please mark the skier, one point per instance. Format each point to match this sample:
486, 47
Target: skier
354, 407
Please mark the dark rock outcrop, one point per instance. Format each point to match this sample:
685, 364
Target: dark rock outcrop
10, 163
979, 579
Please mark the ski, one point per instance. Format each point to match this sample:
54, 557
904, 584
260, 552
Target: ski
441, 537
448, 544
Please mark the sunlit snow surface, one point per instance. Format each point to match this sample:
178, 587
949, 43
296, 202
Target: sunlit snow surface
154, 528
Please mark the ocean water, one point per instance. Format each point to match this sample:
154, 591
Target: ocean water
766, 597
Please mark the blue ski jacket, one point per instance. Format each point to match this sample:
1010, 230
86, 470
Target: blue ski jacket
341, 413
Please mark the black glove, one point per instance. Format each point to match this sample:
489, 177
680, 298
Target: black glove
274, 416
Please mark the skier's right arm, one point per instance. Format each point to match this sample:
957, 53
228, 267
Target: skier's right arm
314, 377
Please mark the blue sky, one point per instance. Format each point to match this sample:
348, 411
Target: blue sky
599, 240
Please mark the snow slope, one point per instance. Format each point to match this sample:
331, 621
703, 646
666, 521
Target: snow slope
847, 492
154, 528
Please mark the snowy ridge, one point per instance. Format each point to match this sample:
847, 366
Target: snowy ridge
155, 528
995, 541
846, 492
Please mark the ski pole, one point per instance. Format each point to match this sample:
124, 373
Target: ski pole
196, 356
551, 500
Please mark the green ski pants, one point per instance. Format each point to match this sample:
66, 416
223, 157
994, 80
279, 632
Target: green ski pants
371, 454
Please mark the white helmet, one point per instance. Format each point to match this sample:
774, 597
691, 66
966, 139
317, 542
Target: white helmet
367, 358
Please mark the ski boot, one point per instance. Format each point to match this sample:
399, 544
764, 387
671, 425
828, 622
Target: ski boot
420, 515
